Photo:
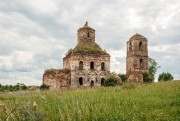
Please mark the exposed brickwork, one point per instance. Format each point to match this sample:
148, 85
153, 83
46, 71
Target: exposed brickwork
57, 79
137, 58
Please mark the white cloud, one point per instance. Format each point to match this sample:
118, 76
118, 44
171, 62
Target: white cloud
17, 61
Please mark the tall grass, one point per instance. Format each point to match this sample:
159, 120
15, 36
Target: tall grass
154, 101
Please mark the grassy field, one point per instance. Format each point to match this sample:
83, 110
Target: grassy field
138, 102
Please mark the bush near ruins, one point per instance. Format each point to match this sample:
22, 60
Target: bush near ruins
111, 81
165, 76
44, 87
123, 77
147, 77
153, 66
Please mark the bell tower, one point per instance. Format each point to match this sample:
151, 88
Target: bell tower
86, 33
137, 54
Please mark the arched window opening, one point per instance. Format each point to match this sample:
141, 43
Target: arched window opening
130, 46
80, 65
102, 66
80, 81
88, 35
102, 81
129, 70
92, 84
140, 46
141, 64
92, 65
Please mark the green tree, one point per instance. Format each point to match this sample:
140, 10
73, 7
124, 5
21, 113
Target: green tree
165, 77
153, 66
123, 77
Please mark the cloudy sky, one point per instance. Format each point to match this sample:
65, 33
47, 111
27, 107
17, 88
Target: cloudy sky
36, 34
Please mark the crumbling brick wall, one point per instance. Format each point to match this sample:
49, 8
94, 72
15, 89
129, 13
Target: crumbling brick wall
56, 78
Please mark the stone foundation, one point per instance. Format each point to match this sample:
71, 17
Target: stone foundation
135, 77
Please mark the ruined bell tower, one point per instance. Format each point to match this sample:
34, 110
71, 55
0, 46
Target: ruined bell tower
137, 57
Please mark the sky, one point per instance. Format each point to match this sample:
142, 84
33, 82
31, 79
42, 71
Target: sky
36, 34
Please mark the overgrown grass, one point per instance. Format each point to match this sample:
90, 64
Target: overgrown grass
139, 102
54, 71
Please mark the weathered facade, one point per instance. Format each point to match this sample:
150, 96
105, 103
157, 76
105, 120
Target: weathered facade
89, 65
137, 58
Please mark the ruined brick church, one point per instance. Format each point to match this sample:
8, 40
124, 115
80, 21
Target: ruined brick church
137, 58
88, 65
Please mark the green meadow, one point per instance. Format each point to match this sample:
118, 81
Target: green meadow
137, 102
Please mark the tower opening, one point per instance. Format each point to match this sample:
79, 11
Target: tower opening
141, 64
130, 46
88, 35
140, 46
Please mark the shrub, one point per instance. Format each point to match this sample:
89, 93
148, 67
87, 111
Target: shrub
147, 77
69, 52
165, 77
123, 77
110, 82
44, 87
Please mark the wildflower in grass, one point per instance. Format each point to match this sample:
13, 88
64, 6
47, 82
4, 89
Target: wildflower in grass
35, 106
44, 99
2, 106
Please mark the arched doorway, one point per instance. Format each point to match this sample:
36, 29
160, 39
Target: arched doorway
102, 81
92, 84
80, 81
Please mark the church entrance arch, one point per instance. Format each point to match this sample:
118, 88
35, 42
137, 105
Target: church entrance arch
102, 82
92, 84
80, 81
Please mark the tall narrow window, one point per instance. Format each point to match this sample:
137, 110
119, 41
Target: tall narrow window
141, 64
88, 35
140, 46
80, 81
130, 46
102, 66
80, 65
92, 65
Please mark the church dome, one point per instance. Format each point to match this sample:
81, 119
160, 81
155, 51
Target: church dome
86, 26
137, 37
